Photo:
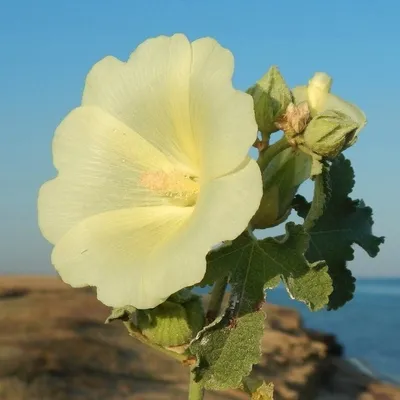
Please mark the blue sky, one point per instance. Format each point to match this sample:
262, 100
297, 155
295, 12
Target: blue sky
47, 48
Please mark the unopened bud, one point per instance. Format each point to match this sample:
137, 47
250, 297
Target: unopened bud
282, 178
271, 97
329, 133
170, 323
319, 99
335, 125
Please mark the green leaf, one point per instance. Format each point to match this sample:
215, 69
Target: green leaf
121, 313
215, 270
344, 223
227, 349
271, 260
343, 286
309, 283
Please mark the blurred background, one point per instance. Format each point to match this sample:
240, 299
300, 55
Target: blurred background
47, 48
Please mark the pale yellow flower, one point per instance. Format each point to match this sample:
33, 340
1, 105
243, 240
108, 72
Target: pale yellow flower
317, 94
153, 172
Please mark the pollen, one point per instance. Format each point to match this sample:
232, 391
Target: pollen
176, 186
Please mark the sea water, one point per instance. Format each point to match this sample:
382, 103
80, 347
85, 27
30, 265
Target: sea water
368, 326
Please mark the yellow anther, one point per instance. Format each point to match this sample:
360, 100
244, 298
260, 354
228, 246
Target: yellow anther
175, 185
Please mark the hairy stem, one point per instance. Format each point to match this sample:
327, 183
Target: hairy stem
217, 295
196, 391
270, 152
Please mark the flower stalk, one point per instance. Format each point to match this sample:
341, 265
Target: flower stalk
196, 391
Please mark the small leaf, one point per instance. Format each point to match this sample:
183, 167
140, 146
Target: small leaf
121, 313
227, 349
344, 223
258, 389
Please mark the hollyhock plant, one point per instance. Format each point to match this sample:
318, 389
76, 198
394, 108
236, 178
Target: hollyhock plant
156, 195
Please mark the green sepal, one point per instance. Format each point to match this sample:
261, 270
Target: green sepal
271, 98
171, 323
329, 133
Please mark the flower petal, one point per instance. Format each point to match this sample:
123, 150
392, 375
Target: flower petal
356, 114
332, 102
143, 255
100, 161
150, 94
226, 205
222, 118
179, 96
115, 252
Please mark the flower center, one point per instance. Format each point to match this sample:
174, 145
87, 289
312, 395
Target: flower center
177, 186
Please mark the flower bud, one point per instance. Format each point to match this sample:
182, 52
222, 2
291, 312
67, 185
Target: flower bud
271, 98
282, 178
170, 323
329, 133
319, 98
335, 124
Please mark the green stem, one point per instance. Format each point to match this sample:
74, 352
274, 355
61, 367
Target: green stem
135, 332
270, 152
196, 391
217, 295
